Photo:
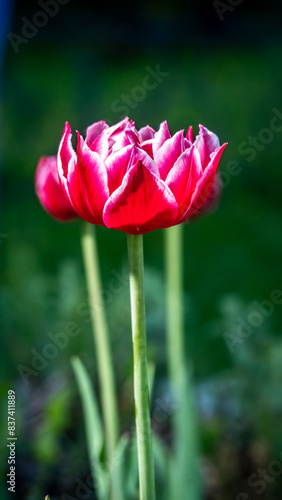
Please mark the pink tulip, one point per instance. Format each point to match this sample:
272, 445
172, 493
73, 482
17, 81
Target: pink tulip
49, 191
138, 181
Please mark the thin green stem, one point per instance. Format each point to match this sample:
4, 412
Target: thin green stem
174, 290
141, 393
101, 339
186, 468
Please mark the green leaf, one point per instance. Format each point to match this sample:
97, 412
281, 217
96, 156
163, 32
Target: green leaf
160, 456
131, 481
93, 427
151, 378
118, 468
184, 464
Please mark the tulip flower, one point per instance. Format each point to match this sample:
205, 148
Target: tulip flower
138, 181
49, 191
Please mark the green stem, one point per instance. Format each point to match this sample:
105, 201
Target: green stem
186, 454
141, 393
175, 320
101, 339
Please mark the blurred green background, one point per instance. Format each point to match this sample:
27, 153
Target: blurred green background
226, 75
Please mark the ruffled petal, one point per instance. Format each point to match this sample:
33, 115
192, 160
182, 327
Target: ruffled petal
203, 186
189, 134
93, 131
168, 153
161, 136
65, 154
117, 165
141, 204
76, 191
183, 177
92, 177
146, 160
213, 199
100, 145
187, 143
146, 133
123, 139
177, 178
148, 147
206, 143
49, 191
119, 127
66, 150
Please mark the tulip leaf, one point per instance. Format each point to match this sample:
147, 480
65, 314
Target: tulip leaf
184, 473
160, 456
93, 428
118, 468
151, 378
131, 480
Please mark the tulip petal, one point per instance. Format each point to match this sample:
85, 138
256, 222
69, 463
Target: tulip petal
93, 180
206, 143
66, 150
119, 162
132, 136
117, 165
118, 127
195, 175
147, 146
76, 193
69, 175
93, 131
183, 177
204, 185
161, 136
212, 201
146, 133
168, 153
123, 139
146, 160
177, 178
141, 204
100, 145
187, 143
49, 190
189, 134
65, 154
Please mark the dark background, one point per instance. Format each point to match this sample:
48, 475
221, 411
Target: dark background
225, 74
